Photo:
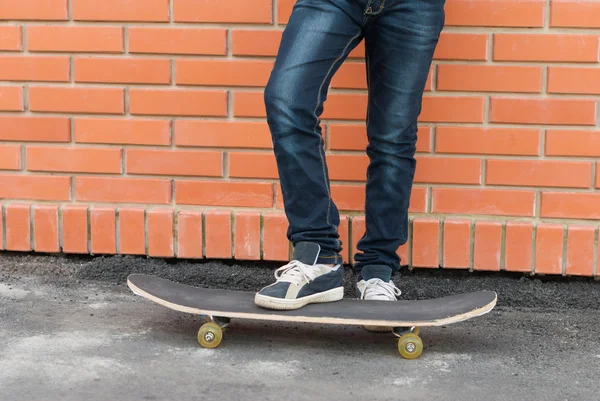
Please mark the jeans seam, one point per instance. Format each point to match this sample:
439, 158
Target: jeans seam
321, 151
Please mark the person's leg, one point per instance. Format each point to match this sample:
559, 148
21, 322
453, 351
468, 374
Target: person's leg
400, 42
316, 41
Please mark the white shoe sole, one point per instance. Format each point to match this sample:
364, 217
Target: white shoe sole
332, 295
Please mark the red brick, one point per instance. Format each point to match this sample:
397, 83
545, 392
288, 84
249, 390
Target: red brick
45, 228
347, 197
344, 233
160, 233
11, 38
489, 78
425, 243
43, 10
275, 243
113, 70
575, 14
122, 131
543, 111
189, 234
441, 170
357, 230
80, 39
223, 134
488, 141
232, 11
201, 41
539, 173
247, 236
218, 193
495, 13
350, 76
574, 80
571, 205
580, 250
18, 231
79, 160
77, 100
519, 247
218, 235
483, 201
284, 9
572, 143
223, 72
1, 228
545, 47
34, 68
247, 42
488, 241
35, 187
452, 109
38, 129
10, 157
252, 165
11, 99
103, 230
461, 46
119, 10
403, 251
74, 229
549, 249
178, 102
123, 190
132, 231
174, 162
457, 244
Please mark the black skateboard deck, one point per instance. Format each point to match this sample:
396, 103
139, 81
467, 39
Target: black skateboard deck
405, 316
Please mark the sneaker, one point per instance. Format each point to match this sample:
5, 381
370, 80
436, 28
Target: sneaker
302, 281
377, 289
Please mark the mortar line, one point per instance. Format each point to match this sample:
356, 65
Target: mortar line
117, 231
472, 228
503, 246
3, 211
59, 223
595, 258
31, 227
203, 225
534, 246
565, 249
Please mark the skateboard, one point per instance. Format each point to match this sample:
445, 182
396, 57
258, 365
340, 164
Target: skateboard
405, 317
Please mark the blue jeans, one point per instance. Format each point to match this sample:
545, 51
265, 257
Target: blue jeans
400, 39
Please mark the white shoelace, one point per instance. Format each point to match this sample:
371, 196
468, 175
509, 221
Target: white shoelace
295, 272
378, 289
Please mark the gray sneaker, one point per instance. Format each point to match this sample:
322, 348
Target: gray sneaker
377, 289
303, 281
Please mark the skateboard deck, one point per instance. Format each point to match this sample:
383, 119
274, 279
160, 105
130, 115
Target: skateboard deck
405, 316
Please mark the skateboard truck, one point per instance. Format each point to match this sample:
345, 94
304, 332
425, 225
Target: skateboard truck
410, 344
211, 332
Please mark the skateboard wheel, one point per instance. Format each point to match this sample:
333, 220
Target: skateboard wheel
410, 346
210, 335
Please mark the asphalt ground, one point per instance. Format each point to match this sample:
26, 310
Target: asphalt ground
71, 329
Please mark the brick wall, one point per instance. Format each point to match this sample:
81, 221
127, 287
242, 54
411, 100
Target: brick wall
137, 127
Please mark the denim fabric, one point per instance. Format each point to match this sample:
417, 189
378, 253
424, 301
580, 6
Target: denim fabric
400, 38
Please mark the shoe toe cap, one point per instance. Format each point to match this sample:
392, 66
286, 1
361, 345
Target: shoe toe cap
277, 290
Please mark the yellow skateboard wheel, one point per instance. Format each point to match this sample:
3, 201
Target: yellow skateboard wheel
410, 346
210, 335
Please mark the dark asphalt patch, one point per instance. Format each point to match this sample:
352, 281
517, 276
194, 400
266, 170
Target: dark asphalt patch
514, 290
